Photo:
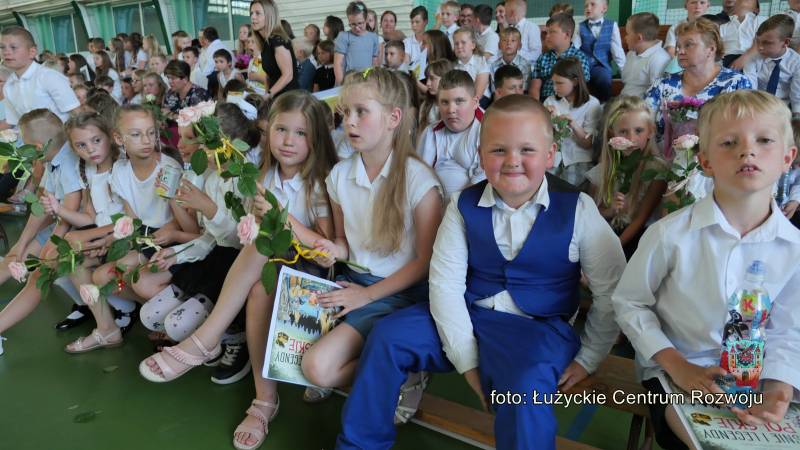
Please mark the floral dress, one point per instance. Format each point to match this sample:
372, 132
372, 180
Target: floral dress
196, 94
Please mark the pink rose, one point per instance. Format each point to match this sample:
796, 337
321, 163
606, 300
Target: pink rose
90, 294
188, 116
18, 271
685, 142
247, 229
620, 143
206, 108
8, 136
123, 227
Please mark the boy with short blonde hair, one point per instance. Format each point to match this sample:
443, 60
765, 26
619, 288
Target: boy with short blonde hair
671, 300
449, 18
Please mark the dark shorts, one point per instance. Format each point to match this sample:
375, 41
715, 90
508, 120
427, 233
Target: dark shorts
665, 437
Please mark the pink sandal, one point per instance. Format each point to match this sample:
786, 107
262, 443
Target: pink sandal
100, 341
189, 360
257, 433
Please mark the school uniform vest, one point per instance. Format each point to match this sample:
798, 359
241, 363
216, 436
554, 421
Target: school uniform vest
598, 49
541, 279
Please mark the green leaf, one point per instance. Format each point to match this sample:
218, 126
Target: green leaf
250, 169
133, 276
247, 186
199, 162
108, 288
153, 268
30, 197
241, 145
234, 204
269, 276
118, 249
271, 199
235, 169
64, 268
283, 217
28, 152
264, 246
281, 242
62, 245
116, 217
110, 369
85, 417
37, 209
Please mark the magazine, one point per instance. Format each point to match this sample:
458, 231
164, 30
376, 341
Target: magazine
717, 428
297, 323
329, 96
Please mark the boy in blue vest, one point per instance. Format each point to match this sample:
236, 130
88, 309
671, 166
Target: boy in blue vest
599, 39
502, 292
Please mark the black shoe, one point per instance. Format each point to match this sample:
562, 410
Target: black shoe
234, 366
125, 320
71, 321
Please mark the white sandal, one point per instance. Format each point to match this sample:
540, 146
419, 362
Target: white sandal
100, 341
257, 433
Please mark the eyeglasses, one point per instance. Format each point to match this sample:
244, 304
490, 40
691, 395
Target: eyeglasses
138, 137
357, 24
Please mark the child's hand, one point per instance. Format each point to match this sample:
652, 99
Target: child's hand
164, 259
572, 375
473, 378
330, 251
691, 377
350, 298
13, 253
739, 63
777, 396
618, 204
790, 208
260, 203
192, 197
163, 236
51, 205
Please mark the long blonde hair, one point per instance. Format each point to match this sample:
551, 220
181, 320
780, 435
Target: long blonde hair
620, 106
388, 219
272, 22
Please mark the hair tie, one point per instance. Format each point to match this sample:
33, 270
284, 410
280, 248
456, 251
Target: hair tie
366, 72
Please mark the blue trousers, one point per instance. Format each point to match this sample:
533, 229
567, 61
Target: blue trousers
600, 82
516, 354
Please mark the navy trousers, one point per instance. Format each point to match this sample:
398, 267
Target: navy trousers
600, 82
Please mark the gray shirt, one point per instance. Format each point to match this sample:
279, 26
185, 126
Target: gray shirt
358, 51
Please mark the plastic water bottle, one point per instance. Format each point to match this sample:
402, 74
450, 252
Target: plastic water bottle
743, 337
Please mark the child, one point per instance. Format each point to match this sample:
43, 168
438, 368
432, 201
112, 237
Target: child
386, 181
629, 118
78, 65
572, 99
256, 76
776, 67
509, 81
694, 9
559, 42
646, 60
332, 27
31, 86
692, 261
479, 318
448, 16
358, 48
62, 184
81, 92
137, 79
106, 84
599, 40
488, 40
450, 146
157, 64
191, 56
509, 55
416, 56
74, 80
738, 35
794, 13
395, 56
153, 84
223, 66
469, 58
127, 91
303, 51
429, 111
530, 33
324, 78
102, 63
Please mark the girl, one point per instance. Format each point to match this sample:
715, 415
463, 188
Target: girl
151, 47
388, 25
90, 139
277, 56
133, 45
500, 16
437, 46
78, 65
470, 59
429, 112
137, 82
153, 84
180, 40
256, 77
324, 78
332, 27
630, 118
386, 181
694, 9
118, 52
572, 100
243, 53
302, 154
127, 91
103, 66
358, 48
372, 20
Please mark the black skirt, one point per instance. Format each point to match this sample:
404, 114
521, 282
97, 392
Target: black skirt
207, 275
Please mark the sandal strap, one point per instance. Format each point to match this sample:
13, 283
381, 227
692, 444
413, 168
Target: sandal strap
104, 340
168, 373
183, 357
256, 403
207, 353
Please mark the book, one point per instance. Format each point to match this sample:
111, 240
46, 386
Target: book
297, 322
329, 96
717, 428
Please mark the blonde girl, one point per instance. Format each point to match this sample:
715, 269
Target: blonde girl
469, 58
429, 111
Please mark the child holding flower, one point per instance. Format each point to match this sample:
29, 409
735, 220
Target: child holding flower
623, 196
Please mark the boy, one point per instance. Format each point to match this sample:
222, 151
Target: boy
223, 66
794, 13
509, 81
646, 59
509, 55
530, 34
416, 56
776, 69
738, 35
190, 56
303, 49
487, 37
157, 64
450, 146
483, 314
105, 83
559, 42
324, 78
395, 56
599, 40
449, 15
31, 86
692, 262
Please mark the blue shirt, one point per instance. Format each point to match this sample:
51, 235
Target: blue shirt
358, 51
62, 174
544, 68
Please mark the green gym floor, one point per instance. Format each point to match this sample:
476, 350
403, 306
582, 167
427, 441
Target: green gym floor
52, 400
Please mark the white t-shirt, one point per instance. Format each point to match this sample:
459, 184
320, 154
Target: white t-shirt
104, 202
291, 194
154, 211
62, 174
454, 156
38, 87
737, 37
350, 187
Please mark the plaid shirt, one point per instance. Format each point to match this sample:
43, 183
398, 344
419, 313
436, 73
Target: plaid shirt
544, 68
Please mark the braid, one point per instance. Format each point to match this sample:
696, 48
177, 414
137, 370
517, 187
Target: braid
82, 168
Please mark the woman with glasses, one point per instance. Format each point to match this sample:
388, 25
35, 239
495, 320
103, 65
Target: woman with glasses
182, 92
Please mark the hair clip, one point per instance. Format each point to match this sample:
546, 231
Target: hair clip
366, 72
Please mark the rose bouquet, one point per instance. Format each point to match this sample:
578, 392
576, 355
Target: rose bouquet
685, 168
680, 118
624, 162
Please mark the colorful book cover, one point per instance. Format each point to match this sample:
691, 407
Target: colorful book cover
329, 96
298, 321
717, 428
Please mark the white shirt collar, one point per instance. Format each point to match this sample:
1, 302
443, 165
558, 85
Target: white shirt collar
295, 183
358, 171
706, 213
541, 197
650, 50
62, 155
29, 72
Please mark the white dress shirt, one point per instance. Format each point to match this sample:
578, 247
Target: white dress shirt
674, 292
642, 70
450, 31
587, 116
795, 42
531, 40
617, 52
38, 87
291, 194
760, 69
454, 156
738, 36
206, 60
489, 41
672, 40
594, 245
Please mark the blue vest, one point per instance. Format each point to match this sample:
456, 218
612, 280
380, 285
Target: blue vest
541, 279
597, 50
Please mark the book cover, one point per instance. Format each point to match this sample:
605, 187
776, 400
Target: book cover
298, 321
717, 428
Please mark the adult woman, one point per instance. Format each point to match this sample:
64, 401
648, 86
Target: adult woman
699, 50
277, 56
500, 16
182, 92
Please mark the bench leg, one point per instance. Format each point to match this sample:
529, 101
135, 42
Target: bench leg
635, 431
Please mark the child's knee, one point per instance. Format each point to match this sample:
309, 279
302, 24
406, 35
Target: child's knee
315, 369
182, 321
